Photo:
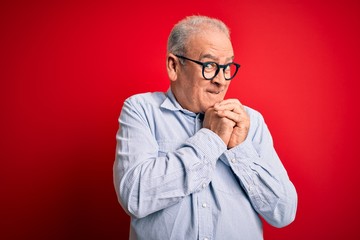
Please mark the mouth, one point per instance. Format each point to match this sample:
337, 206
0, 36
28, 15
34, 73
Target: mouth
215, 92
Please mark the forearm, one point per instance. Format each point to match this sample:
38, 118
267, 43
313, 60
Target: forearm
265, 181
147, 183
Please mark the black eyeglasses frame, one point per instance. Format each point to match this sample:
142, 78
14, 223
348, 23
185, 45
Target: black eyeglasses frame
219, 66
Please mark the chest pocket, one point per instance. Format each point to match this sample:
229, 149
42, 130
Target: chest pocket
167, 146
225, 179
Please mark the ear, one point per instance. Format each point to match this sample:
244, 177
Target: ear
172, 66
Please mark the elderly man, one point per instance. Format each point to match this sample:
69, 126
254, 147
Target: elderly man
191, 164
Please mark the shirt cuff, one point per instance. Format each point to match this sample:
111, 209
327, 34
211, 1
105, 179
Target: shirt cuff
209, 143
242, 153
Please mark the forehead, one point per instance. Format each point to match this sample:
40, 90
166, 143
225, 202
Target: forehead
211, 42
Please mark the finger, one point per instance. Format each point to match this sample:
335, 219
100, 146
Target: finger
233, 116
235, 106
229, 101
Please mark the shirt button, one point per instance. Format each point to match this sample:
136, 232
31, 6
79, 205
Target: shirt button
204, 185
204, 205
206, 238
233, 160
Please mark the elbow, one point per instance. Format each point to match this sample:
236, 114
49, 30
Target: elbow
137, 213
284, 212
129, 198
122, 201
282, 220
135, 210
130, 209
129, 204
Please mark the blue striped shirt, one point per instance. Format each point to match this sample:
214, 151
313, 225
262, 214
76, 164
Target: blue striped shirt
178, 180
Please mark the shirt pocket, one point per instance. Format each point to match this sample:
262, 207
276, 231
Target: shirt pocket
225, 180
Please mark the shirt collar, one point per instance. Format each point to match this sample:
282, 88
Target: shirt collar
172, 104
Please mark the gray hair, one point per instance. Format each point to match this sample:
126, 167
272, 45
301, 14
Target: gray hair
189, 26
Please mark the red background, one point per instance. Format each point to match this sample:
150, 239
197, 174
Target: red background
66, 68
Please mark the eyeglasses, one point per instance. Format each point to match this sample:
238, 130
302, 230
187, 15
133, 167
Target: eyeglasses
211, 69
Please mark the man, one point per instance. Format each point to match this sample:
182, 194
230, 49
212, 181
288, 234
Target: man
191, 165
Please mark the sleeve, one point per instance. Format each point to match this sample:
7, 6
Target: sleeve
262, 175
146, 182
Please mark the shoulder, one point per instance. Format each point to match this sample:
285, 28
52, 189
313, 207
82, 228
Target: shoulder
143, 104
149, 98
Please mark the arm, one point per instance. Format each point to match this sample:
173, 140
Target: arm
262, 175
254, 161
146, 182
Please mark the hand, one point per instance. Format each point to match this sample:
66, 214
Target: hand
233, 110
220, 125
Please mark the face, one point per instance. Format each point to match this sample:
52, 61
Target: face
191, 90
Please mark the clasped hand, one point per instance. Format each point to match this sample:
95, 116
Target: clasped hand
229, 120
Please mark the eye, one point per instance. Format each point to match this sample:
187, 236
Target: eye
210, 66
227, 68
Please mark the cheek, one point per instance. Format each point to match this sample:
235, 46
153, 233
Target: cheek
196, 86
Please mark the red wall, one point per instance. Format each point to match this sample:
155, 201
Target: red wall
66, 68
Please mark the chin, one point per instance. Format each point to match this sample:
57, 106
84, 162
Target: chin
207, 106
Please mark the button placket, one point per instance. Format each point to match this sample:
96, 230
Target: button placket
205, 215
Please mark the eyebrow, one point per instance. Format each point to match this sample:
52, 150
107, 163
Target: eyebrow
215, 58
